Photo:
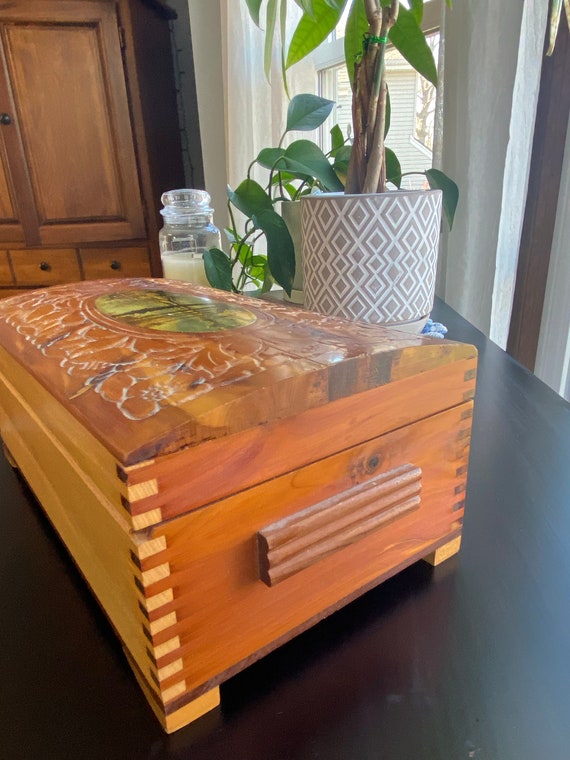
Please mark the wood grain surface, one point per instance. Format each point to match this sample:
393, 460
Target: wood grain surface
145, 392
218, 545
293, 543
465, 660
340, 448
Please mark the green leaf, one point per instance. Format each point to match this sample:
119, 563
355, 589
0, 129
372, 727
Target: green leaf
341, 159
271, 19
393, 168
409, 40
253, 7
283, 32
280, 249
337, 139
437, 179
268, 157
343, 153
288, 187
388, 113
283, 177
218, 269
305, 157
245, 255
417, 9
307, 112
306, 6
267, 280
314, 29
356, 27
250, 198
555, 13
291, 189
257, 273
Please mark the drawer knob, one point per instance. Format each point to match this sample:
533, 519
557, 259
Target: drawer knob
115, 264
45, 267
5, 118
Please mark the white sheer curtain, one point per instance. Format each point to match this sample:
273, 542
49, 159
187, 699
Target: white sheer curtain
493, 56
206, 23
250, 114
255, 115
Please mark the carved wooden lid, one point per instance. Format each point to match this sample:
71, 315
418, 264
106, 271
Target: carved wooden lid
151, 366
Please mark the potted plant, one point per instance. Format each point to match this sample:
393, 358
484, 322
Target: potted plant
291, 172
369, 254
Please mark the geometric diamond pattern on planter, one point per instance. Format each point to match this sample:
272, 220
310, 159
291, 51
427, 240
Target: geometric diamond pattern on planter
371, 257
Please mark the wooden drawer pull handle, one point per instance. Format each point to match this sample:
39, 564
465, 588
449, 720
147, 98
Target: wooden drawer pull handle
301, 539
115, 265
45, 267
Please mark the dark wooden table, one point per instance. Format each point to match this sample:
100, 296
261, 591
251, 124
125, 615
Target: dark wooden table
468, 660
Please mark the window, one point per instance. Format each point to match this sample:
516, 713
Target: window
424, 120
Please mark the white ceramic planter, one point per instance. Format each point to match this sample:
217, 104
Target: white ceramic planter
291, 213
372, 257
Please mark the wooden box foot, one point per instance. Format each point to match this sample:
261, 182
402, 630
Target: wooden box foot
191, 711
181, 716
443, 552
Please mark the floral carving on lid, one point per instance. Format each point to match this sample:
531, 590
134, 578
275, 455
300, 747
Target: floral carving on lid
143, 346
126, 367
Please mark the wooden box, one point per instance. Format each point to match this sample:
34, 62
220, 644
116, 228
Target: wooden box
224, 471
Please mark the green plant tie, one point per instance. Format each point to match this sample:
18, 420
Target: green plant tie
369, 39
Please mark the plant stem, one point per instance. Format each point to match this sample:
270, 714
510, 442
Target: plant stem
375, 180
374, 62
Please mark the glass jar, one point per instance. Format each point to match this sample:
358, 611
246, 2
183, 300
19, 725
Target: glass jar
188, 231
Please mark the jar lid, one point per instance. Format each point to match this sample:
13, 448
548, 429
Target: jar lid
185, 200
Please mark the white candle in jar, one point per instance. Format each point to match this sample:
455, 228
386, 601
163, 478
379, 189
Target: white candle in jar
186, 266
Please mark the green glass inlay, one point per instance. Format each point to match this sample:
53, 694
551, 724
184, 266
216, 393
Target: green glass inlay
173, 312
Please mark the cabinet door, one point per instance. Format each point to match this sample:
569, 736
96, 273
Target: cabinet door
64, 65
10, 226
13, 175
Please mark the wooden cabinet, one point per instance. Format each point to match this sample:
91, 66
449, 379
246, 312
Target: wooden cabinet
89, 138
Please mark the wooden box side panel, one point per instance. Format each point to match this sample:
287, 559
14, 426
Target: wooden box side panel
104, 552
222, 616
175, 484
81, 446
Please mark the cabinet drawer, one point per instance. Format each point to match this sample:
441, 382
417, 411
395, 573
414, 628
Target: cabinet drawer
5, 271
48, 266
100, 263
